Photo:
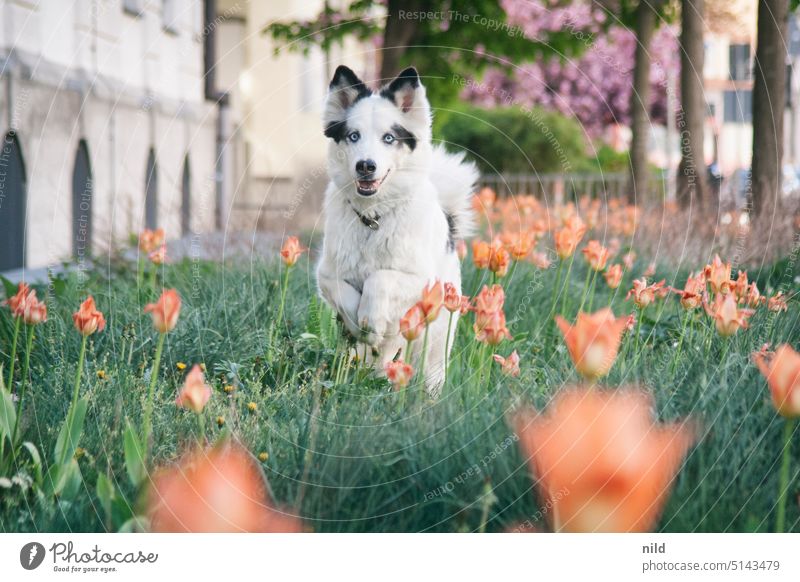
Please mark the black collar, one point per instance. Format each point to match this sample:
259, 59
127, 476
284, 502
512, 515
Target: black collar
371, 223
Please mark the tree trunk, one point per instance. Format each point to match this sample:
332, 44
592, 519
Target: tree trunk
768, 105
640, 100
692, 188
397, 36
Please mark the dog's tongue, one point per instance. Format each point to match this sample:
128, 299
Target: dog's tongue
368, 184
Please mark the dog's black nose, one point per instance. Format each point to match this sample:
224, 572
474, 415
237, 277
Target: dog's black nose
366, 167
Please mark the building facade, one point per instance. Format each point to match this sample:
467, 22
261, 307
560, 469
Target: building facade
105, 126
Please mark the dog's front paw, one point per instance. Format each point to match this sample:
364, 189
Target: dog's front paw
373, 330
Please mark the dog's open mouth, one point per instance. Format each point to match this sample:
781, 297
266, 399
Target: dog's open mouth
369, 187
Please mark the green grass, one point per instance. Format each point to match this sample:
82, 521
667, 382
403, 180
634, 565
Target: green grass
351, 453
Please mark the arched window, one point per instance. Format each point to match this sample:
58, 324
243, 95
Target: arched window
186, 197
82, 193
13, 187
151, 191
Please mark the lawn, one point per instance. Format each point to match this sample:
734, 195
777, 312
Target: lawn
344, 450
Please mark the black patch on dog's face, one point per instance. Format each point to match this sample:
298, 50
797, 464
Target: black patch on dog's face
451, 232
404, 136
337, 130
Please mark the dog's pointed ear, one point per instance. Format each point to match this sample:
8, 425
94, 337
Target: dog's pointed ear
408, 94
345, 89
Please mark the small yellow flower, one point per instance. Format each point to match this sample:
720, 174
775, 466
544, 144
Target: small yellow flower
220, 421
263, 457
79, 452
229, 389
203, 367
251, 406
101, 374
181, 366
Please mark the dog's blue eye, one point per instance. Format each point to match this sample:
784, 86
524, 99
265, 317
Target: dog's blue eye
353, 136
388, 138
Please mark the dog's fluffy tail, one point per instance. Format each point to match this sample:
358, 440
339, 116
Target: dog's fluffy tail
455, 180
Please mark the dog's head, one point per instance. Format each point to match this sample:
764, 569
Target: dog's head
377, 136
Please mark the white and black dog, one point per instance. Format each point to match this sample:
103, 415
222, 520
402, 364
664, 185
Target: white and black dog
394, 208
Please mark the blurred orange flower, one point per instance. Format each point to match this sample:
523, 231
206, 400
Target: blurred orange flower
481, 253
165, 311
88, 319
540, 260
777, 302
727, 315
219, 490
34, 311
150, 240
399, 373
291, 250
490, 327
596, 255
602, 464
643, 295
412, 324
693, 292
509, 365
194, 393
782, 371
452, 298
718, 275
158, 256
613, 276
432, 299
519, 244
16, 303
593, 342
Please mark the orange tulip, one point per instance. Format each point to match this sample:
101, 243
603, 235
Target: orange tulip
602, 464
484, 199
34, 311
220, 490
490, 299
596, 255
481, 253
150, 240
509, 365
412, 324
16, 303
566, 241
520, 245
88, 319
727, 315
165, 311
432, 299
499, 260
593, 342
613, 276
159, 256
740, 286
777, 302
291, 250
194, 393
753, 297
452, 298
693, 292
540, 260
643, 295
718, 275
399, 373
490, 327
629, 259
782, 371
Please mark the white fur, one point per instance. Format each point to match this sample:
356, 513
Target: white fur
372, 277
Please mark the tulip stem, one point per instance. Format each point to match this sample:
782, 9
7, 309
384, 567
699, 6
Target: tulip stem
684, 323
153, 272
591, 292
556, 288
447, 347
783, 482
585, 288
564, 299
23, 384
424, 354
201, 428
76, 389
147, 425
284, 286
17, 325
